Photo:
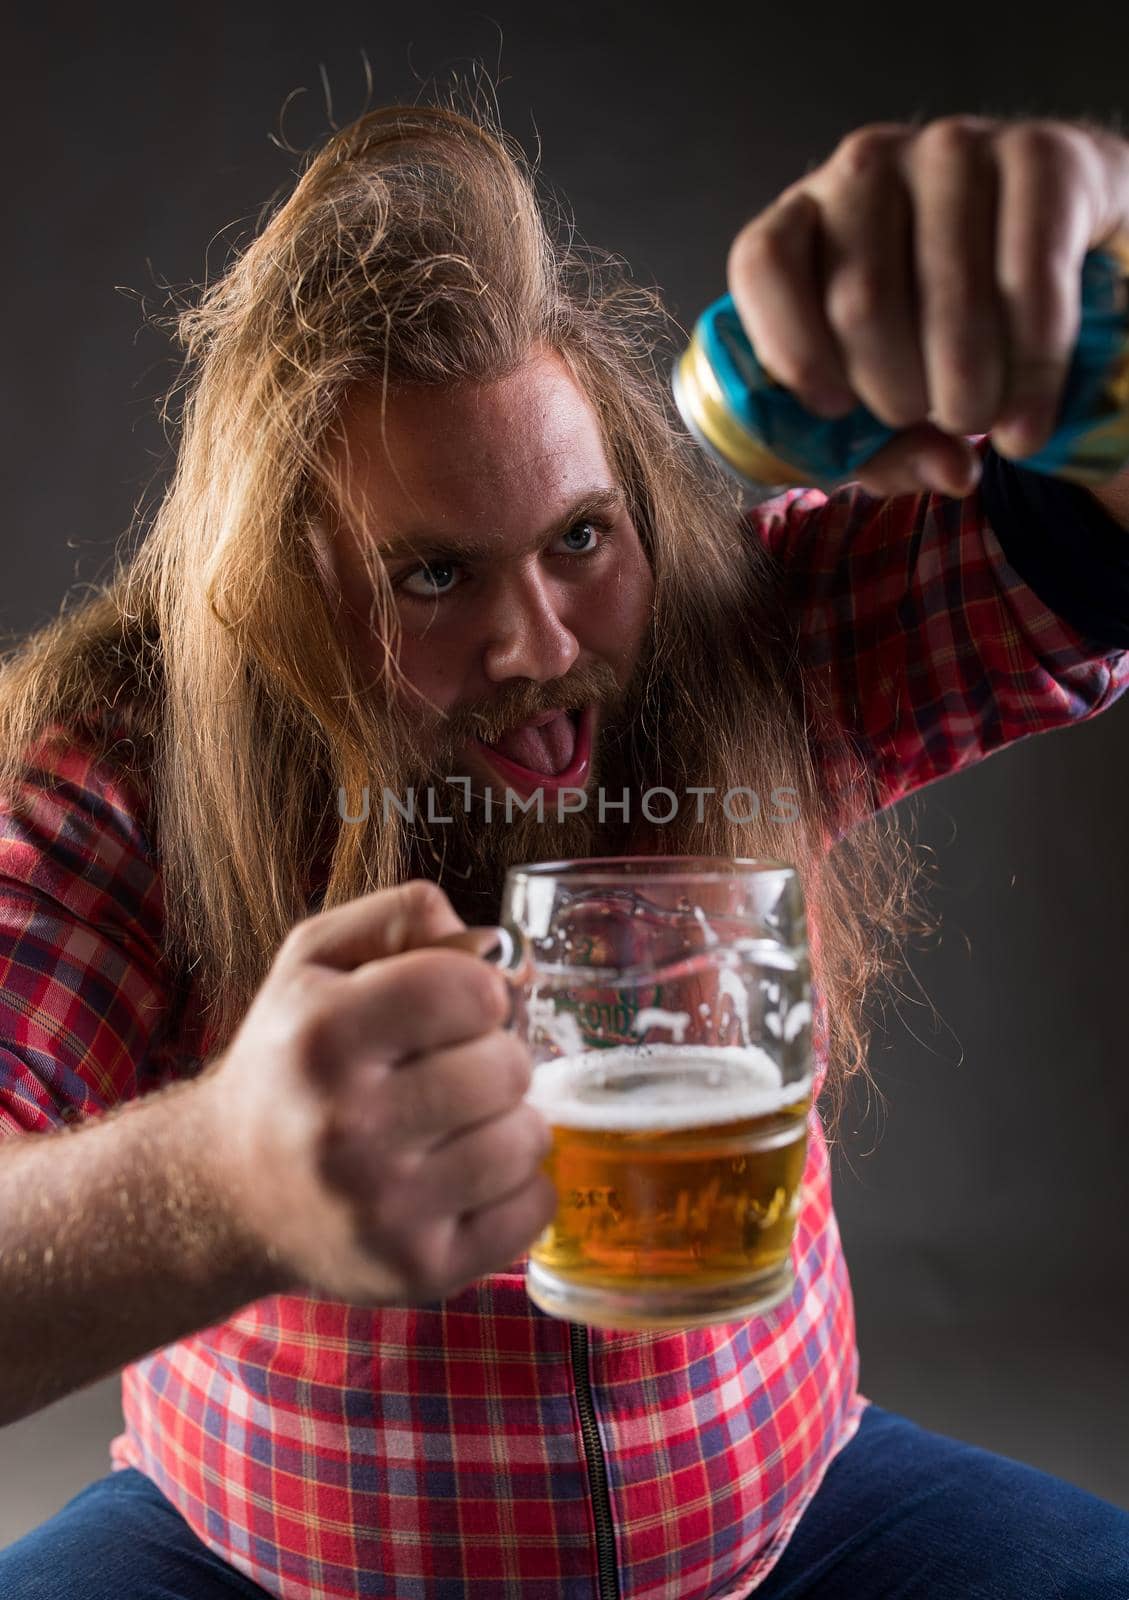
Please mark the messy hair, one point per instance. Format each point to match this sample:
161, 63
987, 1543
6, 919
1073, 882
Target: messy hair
416, 247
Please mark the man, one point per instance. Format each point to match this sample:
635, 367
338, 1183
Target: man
432, 521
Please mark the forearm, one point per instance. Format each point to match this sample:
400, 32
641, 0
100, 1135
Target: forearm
115, 1238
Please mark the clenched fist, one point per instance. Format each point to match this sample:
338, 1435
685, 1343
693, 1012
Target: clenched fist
934, 274
369, 1112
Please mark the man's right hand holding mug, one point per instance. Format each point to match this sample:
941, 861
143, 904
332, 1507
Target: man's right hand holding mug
370, 1108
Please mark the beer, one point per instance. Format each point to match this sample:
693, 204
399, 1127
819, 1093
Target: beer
678, 1172
666, 1003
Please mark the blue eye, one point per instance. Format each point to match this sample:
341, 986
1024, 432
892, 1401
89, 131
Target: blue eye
426, 583
581, 538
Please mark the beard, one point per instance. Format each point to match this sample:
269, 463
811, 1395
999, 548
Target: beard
470, 854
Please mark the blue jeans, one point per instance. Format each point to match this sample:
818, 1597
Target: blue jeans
902, 1514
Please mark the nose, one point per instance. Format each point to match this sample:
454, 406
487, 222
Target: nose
527, 635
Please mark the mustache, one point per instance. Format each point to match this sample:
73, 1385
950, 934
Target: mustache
515, 702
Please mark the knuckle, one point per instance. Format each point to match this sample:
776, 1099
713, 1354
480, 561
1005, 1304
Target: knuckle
760, 247
769, 242
1036, 142
744, 245
953, 136
855, 300
307, 1029
300, 945
412, 912
863, 149
422, 897
1049, 158
298, 989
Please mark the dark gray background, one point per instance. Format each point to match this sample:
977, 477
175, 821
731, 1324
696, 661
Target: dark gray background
982, 1207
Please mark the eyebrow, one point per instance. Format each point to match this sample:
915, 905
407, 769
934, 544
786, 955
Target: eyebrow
595, 502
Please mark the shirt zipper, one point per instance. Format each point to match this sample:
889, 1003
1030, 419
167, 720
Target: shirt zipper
597, 1467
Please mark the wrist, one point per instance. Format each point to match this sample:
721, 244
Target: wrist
243, 1251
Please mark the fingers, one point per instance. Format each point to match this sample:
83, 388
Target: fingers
451, 1252
410, 1004
1044, 227
823, 284
489, 1239
871, 292
478, 1166
447, 1216
953, 180
490, 943
436, 1097
776, 283
935, 271
920, 459
374, 926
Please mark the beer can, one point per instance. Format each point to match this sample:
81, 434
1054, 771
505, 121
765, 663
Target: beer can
762, 435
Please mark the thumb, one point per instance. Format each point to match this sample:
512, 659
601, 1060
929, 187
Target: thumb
923, 458
384, 923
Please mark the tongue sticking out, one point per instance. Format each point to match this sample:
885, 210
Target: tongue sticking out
545, 744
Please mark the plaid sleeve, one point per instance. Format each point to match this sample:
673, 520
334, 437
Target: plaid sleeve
926, 640
81, 985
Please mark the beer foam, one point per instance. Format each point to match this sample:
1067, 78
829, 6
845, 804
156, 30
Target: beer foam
729, 983
659, 1086
676, 1022
559, 1026
797, 1019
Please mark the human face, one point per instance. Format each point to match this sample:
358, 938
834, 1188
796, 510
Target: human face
520, 581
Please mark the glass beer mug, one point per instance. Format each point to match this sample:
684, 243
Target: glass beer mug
666, 1004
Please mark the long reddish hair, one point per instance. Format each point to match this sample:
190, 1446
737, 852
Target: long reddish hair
415, 247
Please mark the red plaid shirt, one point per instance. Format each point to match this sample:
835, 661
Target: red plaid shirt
478, 1447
